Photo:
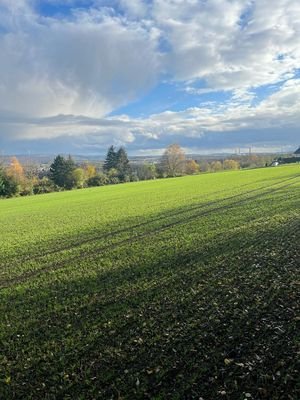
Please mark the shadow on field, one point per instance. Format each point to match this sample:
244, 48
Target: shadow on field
68, 242
217, 321
82, 246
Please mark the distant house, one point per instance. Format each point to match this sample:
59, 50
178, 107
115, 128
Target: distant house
275, 163
295, 158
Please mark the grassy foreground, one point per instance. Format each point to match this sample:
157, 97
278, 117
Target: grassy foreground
185, 288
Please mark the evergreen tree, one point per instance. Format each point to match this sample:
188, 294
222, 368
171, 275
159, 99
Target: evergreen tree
61, 172
57, 171
122, 166
110, 160
70, 178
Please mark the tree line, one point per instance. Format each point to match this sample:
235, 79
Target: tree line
65, 174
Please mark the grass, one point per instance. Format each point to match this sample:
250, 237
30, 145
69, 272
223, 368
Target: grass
184, 288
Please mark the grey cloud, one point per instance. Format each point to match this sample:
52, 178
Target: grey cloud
59, 78
88, 65
280, 112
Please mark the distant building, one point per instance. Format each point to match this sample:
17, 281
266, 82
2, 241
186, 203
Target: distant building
275, 163
295, 158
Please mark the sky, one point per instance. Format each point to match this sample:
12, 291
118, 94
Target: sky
211, 75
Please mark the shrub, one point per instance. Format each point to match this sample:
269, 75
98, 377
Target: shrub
44, 185
114, 180
97, 180
9, 186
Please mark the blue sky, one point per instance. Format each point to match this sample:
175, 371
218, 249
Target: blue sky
77, 76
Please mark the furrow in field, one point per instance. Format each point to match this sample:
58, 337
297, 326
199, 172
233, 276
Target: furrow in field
58, 247
60, 264
188, 257
128, 230
99, 235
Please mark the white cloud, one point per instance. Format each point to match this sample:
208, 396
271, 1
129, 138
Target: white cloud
135, 8
62, 76
87, 65
280, 110
231, 44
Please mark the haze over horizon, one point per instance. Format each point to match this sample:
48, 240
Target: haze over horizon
79, 75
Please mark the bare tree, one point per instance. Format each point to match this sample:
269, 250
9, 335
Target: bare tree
173, 160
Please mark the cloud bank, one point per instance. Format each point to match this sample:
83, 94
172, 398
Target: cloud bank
66, 66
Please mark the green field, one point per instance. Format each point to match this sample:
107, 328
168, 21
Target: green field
184, 288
